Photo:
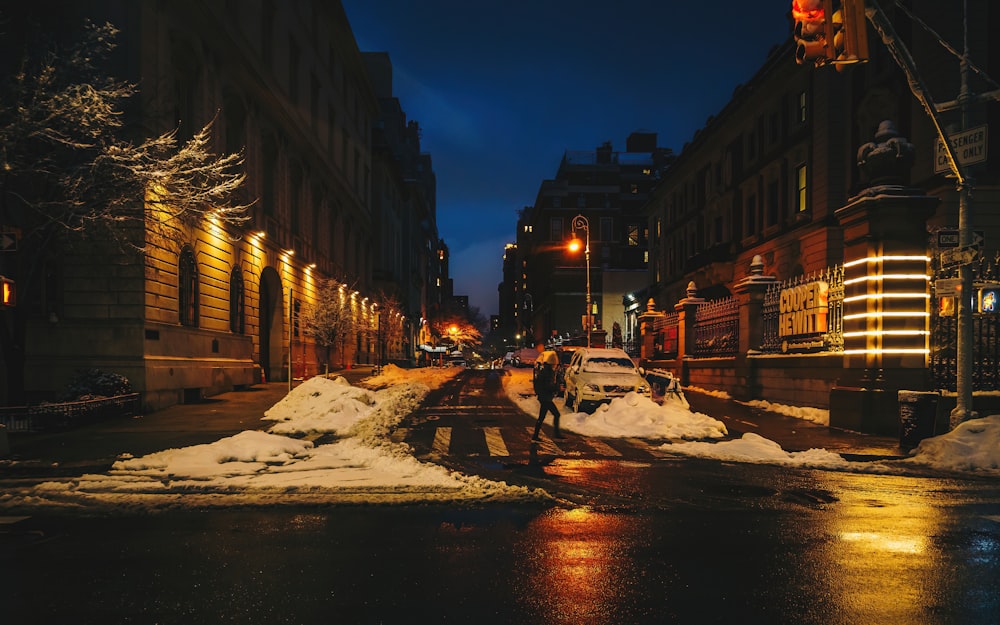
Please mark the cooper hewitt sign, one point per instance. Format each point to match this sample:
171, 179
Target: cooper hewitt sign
803, 315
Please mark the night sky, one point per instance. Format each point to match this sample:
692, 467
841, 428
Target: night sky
502, 89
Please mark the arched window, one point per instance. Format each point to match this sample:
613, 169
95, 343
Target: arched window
237, 303
187, 287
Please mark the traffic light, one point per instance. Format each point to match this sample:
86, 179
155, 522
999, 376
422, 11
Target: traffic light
9, 292
825, 35
850, 41
813, 31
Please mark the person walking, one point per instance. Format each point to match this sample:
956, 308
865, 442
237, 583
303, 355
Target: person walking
546, 387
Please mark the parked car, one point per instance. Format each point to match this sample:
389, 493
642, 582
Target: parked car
564, 354
596, 376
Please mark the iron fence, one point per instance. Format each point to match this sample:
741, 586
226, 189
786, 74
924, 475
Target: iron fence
943, 362
666, 333
62, 415
717, 328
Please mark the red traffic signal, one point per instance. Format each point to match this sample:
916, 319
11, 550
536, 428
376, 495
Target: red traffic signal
825, 35
813, 31
8, 291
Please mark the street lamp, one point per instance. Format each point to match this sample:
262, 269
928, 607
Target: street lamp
580, 223
378, 338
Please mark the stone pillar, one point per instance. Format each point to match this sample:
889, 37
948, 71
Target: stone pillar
750, 291
647, 329
686, 309
886, 289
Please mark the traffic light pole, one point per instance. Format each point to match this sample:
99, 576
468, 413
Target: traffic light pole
963, 184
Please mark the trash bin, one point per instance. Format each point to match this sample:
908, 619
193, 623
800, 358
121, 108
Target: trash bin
917, 414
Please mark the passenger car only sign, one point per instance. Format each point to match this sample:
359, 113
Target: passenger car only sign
969, 147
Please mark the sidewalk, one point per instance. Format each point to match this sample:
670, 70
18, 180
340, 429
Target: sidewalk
792, 433
95, 446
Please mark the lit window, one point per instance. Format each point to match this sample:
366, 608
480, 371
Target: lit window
802, 194
633, 235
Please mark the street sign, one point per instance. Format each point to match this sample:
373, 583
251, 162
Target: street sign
969, 147
959, 256
949, 237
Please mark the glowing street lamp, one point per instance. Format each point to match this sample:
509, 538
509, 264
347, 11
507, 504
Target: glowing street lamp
580, 223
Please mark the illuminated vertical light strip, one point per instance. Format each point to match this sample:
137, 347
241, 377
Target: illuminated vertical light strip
882, 306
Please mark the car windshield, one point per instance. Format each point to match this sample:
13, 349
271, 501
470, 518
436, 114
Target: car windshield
609, 364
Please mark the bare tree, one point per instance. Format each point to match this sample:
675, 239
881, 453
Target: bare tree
332, 319
66, 166
457, 329
67, 170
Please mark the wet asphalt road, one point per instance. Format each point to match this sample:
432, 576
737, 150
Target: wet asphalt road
639, 538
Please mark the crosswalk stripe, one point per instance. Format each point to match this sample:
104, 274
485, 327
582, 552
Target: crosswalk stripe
442, 440
494, 442
643, 445
546, 443
602, 448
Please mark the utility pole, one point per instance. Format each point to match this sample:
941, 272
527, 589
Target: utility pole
963, 184
825, 36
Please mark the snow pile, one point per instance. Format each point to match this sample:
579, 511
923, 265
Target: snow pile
321, 405
636, 415
433, 377
754, 448
273, 468
972, 446
631, 416
806, 413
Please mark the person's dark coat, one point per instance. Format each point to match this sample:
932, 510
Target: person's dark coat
545, 382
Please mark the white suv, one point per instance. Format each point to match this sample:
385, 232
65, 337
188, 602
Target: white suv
596, 376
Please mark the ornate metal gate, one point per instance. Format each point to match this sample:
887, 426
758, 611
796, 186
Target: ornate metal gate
985, 330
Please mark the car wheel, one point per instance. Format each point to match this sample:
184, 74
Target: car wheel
569, 399
586, 406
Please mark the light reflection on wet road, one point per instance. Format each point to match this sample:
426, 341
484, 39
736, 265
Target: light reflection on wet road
787, 547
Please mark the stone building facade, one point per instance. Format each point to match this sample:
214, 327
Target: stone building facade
211, 307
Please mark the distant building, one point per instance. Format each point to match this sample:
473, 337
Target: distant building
608, 189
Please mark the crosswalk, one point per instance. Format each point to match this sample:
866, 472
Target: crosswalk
507, 442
